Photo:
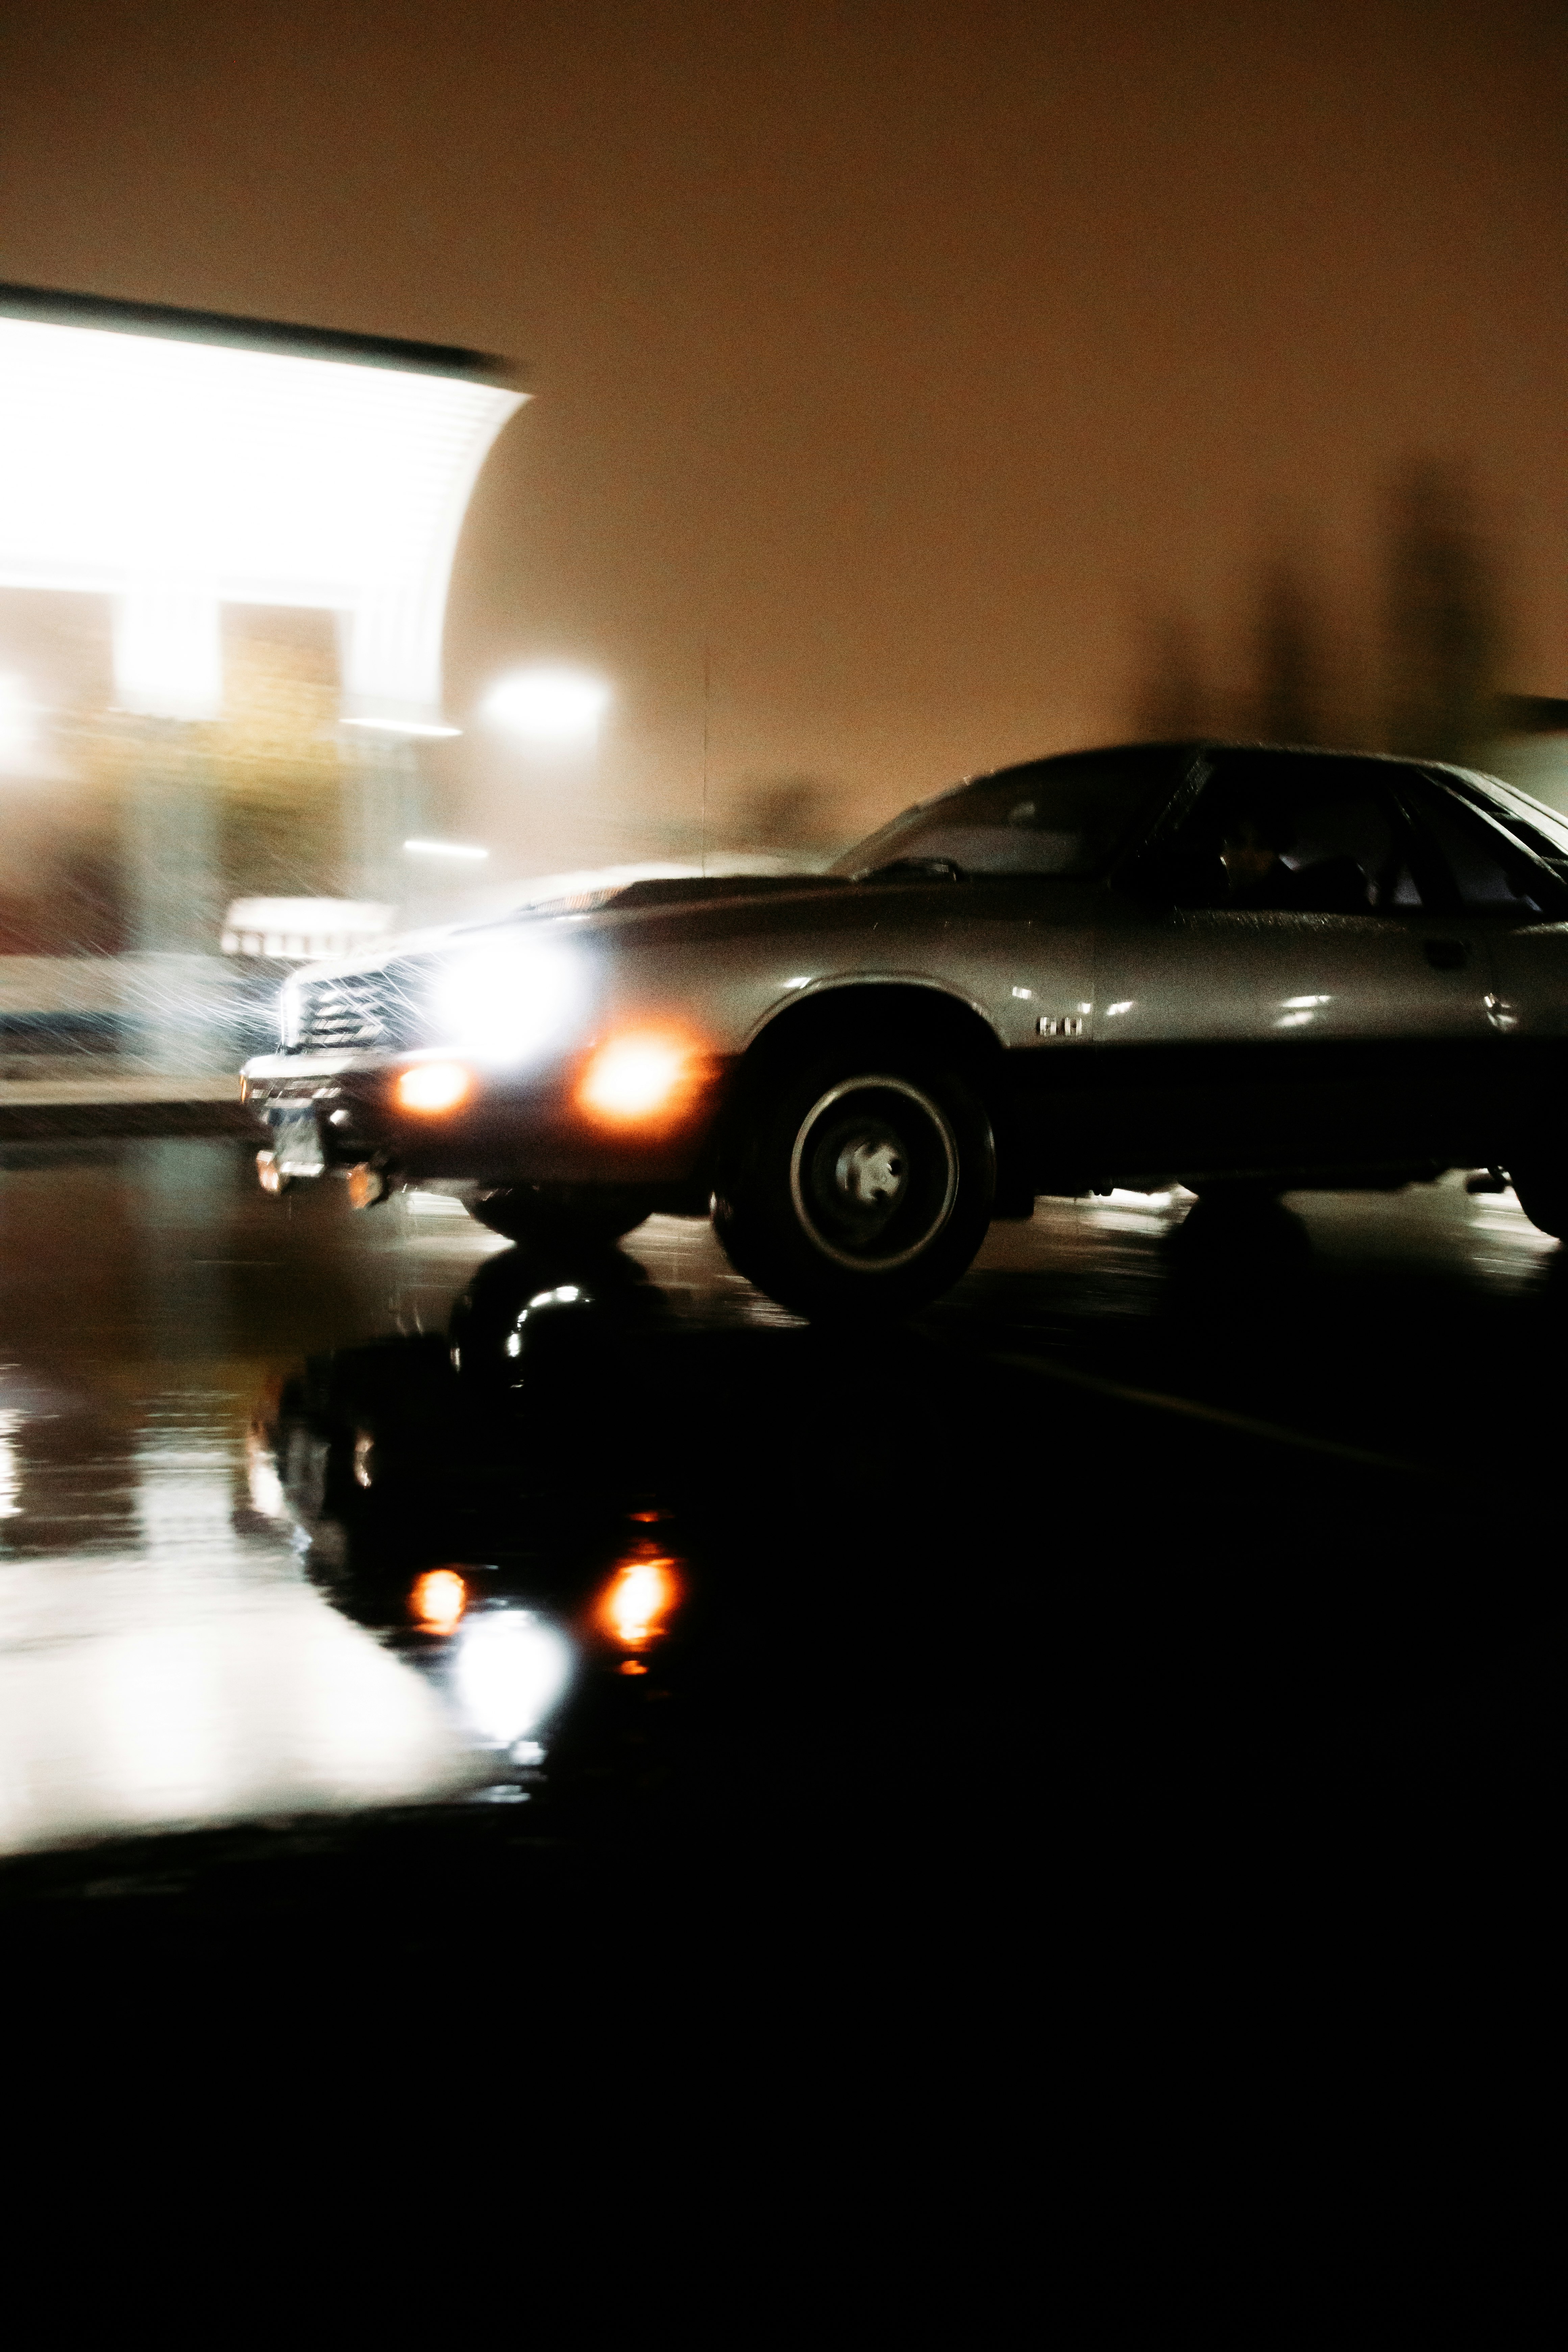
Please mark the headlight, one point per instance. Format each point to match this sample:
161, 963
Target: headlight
510, 1672
509, 1001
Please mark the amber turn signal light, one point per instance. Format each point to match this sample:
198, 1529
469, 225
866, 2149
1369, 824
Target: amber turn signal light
432, 1086
640, 1076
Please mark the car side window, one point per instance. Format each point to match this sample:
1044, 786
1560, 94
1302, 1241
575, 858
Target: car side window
1491, 876
1303, 836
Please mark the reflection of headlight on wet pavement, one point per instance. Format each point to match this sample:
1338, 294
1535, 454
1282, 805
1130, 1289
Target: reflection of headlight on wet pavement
267, 1496
510, 1672
636, 1605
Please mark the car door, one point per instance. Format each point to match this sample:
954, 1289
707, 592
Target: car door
1336, 1017
1012, 929
1511, 875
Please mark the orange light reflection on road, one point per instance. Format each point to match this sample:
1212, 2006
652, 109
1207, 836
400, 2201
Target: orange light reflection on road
640, 1598
432, 1086
438, 1599
644, 1075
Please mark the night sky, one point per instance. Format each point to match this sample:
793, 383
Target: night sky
905, 355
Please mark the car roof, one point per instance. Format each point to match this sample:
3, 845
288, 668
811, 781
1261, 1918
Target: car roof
1192, 745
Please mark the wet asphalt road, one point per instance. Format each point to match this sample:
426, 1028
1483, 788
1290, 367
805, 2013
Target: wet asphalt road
1161, 1505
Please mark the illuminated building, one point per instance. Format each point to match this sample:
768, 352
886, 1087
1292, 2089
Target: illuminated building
178, 466
176, 460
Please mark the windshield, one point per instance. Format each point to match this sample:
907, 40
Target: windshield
1065, 817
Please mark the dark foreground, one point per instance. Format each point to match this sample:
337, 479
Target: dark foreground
1179, 1552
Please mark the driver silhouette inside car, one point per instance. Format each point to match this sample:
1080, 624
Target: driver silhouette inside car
1252, 842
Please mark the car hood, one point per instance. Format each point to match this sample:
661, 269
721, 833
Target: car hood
724, 906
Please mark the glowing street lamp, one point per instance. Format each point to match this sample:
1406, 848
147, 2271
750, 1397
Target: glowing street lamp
549, 704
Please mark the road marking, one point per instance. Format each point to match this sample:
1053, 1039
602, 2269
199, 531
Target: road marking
1218, 1416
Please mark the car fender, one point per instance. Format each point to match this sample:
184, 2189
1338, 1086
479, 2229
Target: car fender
834, 983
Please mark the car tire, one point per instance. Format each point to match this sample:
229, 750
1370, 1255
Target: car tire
858, 1186
1247, 1193
1541, 1191
561, 1213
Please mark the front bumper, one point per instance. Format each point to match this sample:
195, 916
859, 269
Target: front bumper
506, 1130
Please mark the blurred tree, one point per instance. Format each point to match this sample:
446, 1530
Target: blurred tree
1172, 697
781, 814
1445, 633
1290, 660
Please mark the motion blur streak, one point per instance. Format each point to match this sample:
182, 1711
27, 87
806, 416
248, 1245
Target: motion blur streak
641, 1597
10, 1472
438, 1599
200, 1693
637, 1076
433, 1087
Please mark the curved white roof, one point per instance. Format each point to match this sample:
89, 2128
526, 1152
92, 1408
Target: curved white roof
175, 463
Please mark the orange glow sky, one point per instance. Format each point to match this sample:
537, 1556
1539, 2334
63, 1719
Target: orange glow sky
900, 353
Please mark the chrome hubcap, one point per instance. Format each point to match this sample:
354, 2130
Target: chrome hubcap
874, 1173
871, 1171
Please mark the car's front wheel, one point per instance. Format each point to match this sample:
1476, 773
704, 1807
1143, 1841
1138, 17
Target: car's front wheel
1540, 1188
860, 1185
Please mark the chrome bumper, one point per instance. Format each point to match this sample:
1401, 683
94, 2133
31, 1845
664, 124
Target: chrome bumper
294, 1077
290, 1093
339, 1107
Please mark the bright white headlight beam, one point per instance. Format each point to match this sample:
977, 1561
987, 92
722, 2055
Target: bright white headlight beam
443, 849
511, 1671
509, 1000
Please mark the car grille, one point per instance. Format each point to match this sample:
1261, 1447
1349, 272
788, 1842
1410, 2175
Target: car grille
365, 1012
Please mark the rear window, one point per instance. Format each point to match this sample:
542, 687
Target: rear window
1067, 816
1541, 830
1339, 842
1489, 872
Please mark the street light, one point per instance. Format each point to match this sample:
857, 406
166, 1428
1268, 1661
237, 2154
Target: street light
548, 703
